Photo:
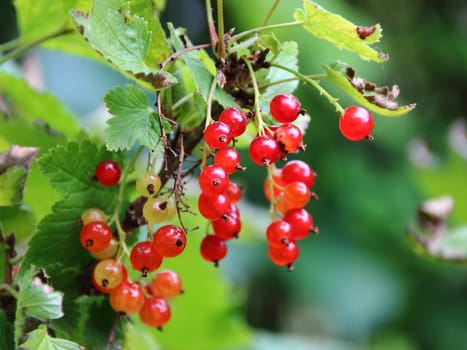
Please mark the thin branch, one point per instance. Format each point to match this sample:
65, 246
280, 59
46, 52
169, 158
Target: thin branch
23, 48
263, 28
220, 29
174, 56
271, 11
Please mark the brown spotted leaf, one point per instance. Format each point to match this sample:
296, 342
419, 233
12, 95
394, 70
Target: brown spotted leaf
379, 99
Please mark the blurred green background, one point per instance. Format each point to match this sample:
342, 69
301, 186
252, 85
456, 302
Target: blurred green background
358, 284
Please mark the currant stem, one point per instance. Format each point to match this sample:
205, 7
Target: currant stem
9, 45
271, 11
263, 28
314, 83
220, 29
278, 82
19, 50
177, 54
270, 170
259, 119
115, 216
10, 290
209, 119
211, 26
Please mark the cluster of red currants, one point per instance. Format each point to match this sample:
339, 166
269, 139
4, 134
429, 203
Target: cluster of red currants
288, 189
219, 194
109, 276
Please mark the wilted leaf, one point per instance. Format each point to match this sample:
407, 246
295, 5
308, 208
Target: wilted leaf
377, 99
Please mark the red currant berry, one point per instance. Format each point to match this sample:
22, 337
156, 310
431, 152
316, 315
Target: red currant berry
297, 170
234, 192
127, 298
228, 226
229, 159
278, 233
144, 258
285, 108
264, 150
301, 222
169, 241
166, 284
212, 208
356, 123
235, 119
108, 172
295, 195
155, 312
213, 249
285, 254
217, 135
95, 236
213, 180
289, 137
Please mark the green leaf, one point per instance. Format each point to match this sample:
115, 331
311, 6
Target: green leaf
202, 76
39, 18
287, 56
97, 322
377, 99
133, 122
38, 299
188, 106
269, 41
122, 40
39, 339
55, 246
158, 50
340, 32
139, 336
37, 107
7, 340
14, 165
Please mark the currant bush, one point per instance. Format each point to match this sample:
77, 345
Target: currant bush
202, 107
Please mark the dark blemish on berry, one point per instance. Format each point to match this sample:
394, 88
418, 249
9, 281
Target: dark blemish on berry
179, 243
163, 205
150, 189
89, 243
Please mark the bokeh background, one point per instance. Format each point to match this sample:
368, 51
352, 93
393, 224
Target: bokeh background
358, 284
